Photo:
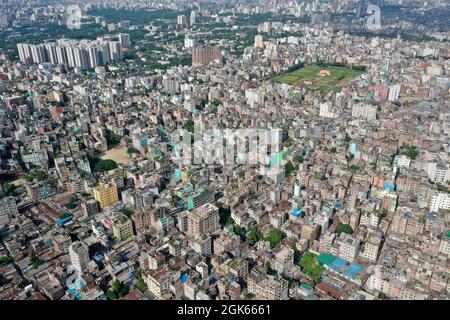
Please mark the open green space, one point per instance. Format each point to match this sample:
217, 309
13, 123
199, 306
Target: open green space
310, 76
309, 265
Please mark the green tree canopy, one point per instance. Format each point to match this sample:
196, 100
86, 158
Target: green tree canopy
105, 165
112, 139
275, 236
344, 228
189, 126
215, 102
39, 175
132, 150
9, 188
298, 159
290, 167
35, 261
4, 260
72, 204
410, 151
117, 291
310, 266
253, 235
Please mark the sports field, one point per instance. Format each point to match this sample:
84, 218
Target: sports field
310, 76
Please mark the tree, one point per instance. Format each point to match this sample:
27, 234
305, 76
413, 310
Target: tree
9, 188
112, 139
288, 142
140, 283
289, 167
345, 228
381, 213
39, 175
105, 165
249, 296
310, 266
132, 150
253, 235
410, 151
230, 221
72, 204
275, 236
189, 126
298, 159
216, 102
35, 261
117, 291
240, 231
23, 283
176, 200
224, 214
382, 296
4, 260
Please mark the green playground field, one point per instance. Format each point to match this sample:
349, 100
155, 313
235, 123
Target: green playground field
309, 76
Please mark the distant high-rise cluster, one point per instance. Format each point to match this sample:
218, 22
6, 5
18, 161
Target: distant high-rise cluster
205, 55
75, 53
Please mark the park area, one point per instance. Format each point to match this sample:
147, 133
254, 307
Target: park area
322, 78
310, 266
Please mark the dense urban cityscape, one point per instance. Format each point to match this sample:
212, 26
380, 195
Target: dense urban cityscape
224, 150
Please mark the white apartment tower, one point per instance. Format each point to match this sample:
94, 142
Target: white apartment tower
193, 17
79, 256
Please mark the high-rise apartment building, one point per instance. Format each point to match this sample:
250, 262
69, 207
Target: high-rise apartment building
348, 247
193, 18
372, 247
181, 20
122, 228
8, 208
327, 111
283, 260
266, 287
203, 220
394, 93
259, 42
79, 256
438, 171
364, 111
106, 194
439, 201
189, 42
89, 207
205, 55
158, 281
77, 54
